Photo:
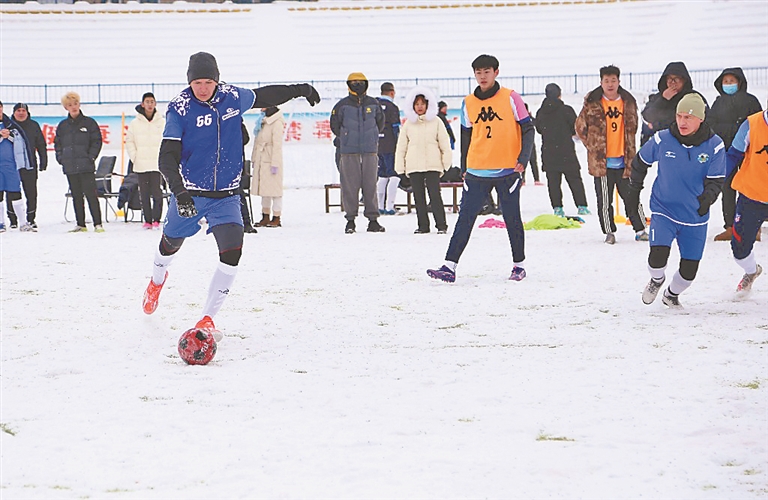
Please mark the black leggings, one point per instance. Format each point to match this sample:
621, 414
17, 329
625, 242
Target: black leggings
659, 257
151, 196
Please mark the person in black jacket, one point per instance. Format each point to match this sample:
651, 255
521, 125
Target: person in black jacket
659, 113
77, 144
35, 144
442, 113
729, 110
555, 122
388, 182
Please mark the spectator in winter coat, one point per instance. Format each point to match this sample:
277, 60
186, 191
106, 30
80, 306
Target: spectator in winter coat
388, 180
691, 170
496, 142
555, 122
442, 113
423, 154
35, 144
201, 157
534, 161
659, 113
357, 120
729, 110
145, 133
750, 149
607, 126
77, 144
267, 162
13, 157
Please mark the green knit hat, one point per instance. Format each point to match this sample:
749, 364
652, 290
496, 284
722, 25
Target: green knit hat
692, 104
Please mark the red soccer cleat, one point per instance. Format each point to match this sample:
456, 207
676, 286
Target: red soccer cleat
206, 324
152, 294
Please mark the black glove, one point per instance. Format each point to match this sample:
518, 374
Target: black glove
633, 194
307, 91
704, 204
185, 205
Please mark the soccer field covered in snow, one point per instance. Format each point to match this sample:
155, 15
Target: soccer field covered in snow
345, 372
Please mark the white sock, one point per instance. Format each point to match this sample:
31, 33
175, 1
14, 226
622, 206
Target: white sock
392, 186
657, 273
520, 264
219, 289
451, 265
679, 284
2, 213
748, 263
160, 266
381, 191
21, 211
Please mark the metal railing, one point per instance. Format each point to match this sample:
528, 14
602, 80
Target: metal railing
117, 93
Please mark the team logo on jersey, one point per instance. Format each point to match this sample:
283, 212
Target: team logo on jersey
670, 154
703, 158
488, 115
368, 110
230, 113
613, 112
764, 150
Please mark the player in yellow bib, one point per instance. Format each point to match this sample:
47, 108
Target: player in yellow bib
750, 148
496, 143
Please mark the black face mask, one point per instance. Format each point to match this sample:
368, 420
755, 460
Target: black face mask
358, 87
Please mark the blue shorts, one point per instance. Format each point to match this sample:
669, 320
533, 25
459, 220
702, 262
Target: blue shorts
690, 239
10, 181
216, 211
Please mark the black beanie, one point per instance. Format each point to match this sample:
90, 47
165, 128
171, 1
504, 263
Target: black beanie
552, 91
147, 94
202, 65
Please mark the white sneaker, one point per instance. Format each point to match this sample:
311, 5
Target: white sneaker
745, 285
652, 290
671, 301
28, 228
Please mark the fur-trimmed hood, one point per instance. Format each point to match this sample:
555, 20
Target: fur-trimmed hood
431, 98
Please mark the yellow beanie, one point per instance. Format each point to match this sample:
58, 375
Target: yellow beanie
356, 76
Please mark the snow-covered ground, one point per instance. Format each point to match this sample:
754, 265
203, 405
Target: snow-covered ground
345, 372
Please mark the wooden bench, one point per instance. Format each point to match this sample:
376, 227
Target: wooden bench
409, 205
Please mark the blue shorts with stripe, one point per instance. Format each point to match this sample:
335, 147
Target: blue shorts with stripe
216, 211
690, 239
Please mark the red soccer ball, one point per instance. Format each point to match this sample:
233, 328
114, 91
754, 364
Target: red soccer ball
197, 347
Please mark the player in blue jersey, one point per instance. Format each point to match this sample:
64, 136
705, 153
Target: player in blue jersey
201, 157
691, 172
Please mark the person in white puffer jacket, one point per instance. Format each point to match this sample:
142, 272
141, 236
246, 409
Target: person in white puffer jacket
423, 154
145, 133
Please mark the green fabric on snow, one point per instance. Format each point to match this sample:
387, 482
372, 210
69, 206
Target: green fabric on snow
550, 221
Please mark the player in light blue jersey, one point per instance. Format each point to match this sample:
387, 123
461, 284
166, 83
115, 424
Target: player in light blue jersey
691, 172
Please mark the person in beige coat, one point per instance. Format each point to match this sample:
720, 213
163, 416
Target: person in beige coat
267, 162
145, 133
423, 154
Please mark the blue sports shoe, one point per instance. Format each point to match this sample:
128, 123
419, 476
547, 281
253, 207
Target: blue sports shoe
443, 274
559, 211
518, 273
583, 210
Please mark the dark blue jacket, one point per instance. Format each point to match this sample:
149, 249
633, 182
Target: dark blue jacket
388, 137
357, 121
